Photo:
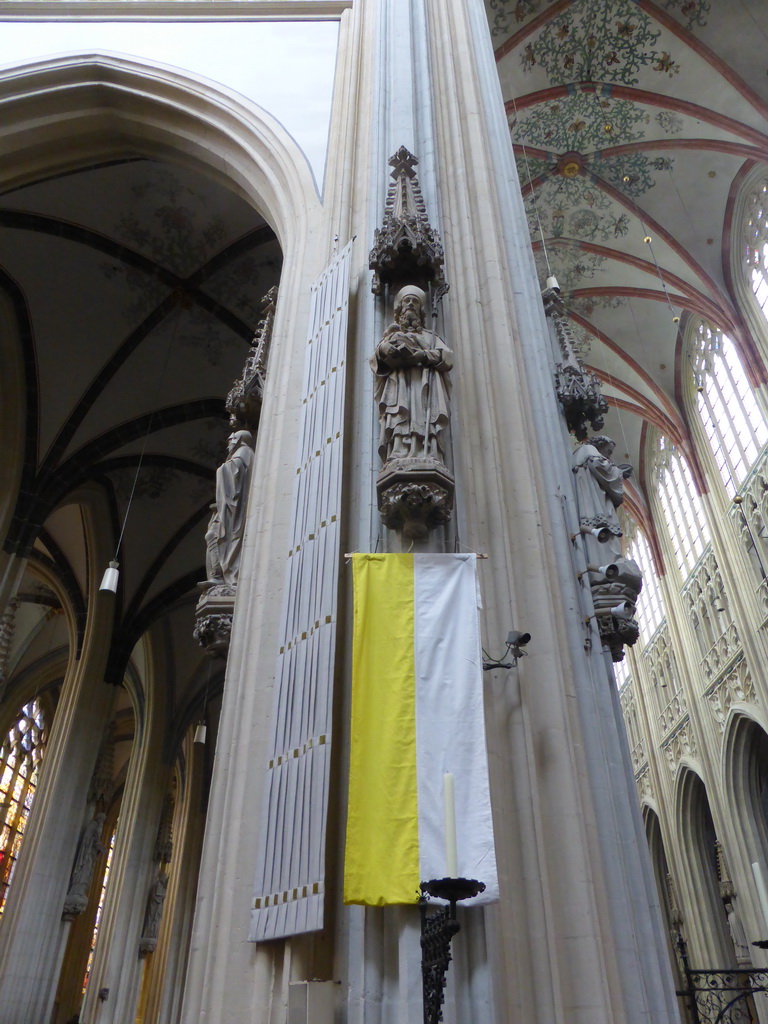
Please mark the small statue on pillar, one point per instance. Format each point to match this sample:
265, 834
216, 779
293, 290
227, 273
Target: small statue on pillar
411, 364
412, 386
224, 536
89, 848
615, 581
224, 544
154, 913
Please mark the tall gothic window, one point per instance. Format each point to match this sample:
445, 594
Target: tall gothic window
732, 419
21, 754
681, 507
650, 611
756, 238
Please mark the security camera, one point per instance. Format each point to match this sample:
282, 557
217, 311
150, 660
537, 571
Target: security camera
623, 610
517, 639
601, 533
610, 571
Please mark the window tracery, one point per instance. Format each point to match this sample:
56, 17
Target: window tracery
650, 608
681, 507
21, 755
733, 422
755, 232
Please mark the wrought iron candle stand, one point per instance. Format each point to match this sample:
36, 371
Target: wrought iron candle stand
437, 930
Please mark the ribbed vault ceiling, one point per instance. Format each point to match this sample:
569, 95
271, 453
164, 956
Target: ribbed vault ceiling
634, 119
136, 289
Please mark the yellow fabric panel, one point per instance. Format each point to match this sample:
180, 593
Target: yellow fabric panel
382, 853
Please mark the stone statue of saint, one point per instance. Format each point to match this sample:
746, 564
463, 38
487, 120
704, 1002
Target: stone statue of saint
600, 491
412, 386
89, 848
738, 935
155, 906
224, 536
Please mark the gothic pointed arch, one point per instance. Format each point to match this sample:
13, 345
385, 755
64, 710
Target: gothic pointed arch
745, 770
707, 929
67, 111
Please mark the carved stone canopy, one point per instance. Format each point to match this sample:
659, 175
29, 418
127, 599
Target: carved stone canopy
577, 390
406, 247
244, 400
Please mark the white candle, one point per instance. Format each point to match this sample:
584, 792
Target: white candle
762, 895
449, 805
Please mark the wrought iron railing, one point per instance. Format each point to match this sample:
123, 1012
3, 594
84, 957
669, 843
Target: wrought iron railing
731, 995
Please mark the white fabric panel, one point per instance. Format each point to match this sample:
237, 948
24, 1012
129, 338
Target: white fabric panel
290, 877
450, 719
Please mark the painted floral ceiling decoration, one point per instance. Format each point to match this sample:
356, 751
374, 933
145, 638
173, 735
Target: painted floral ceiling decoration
634, 124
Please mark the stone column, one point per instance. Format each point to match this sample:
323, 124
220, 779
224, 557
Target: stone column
30, 937
116, 963
579, 932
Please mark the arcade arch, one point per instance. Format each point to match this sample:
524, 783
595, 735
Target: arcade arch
141, 195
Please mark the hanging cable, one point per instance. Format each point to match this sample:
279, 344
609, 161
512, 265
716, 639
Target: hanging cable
111, 575
533, 196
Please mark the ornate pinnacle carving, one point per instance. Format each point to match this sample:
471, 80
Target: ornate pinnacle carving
102, 784
244, 400
7, 630
405, 247
727, 889
578, 391
164, 840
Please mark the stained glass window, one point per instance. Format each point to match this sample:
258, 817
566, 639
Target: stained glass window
21, 754
734, 424
681, 507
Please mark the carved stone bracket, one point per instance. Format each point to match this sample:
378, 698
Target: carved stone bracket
244, 400
73, 907
213, 618
415, 496
406, 247
617, 631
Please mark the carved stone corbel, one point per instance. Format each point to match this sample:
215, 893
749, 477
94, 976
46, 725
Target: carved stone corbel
214, 623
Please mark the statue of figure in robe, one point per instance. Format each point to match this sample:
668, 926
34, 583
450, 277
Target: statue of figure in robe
224, 537
89, 848
738, 935
412, 387
615, 581
155, 906
599, 492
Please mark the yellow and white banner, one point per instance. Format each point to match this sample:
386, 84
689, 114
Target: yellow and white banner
417, 717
